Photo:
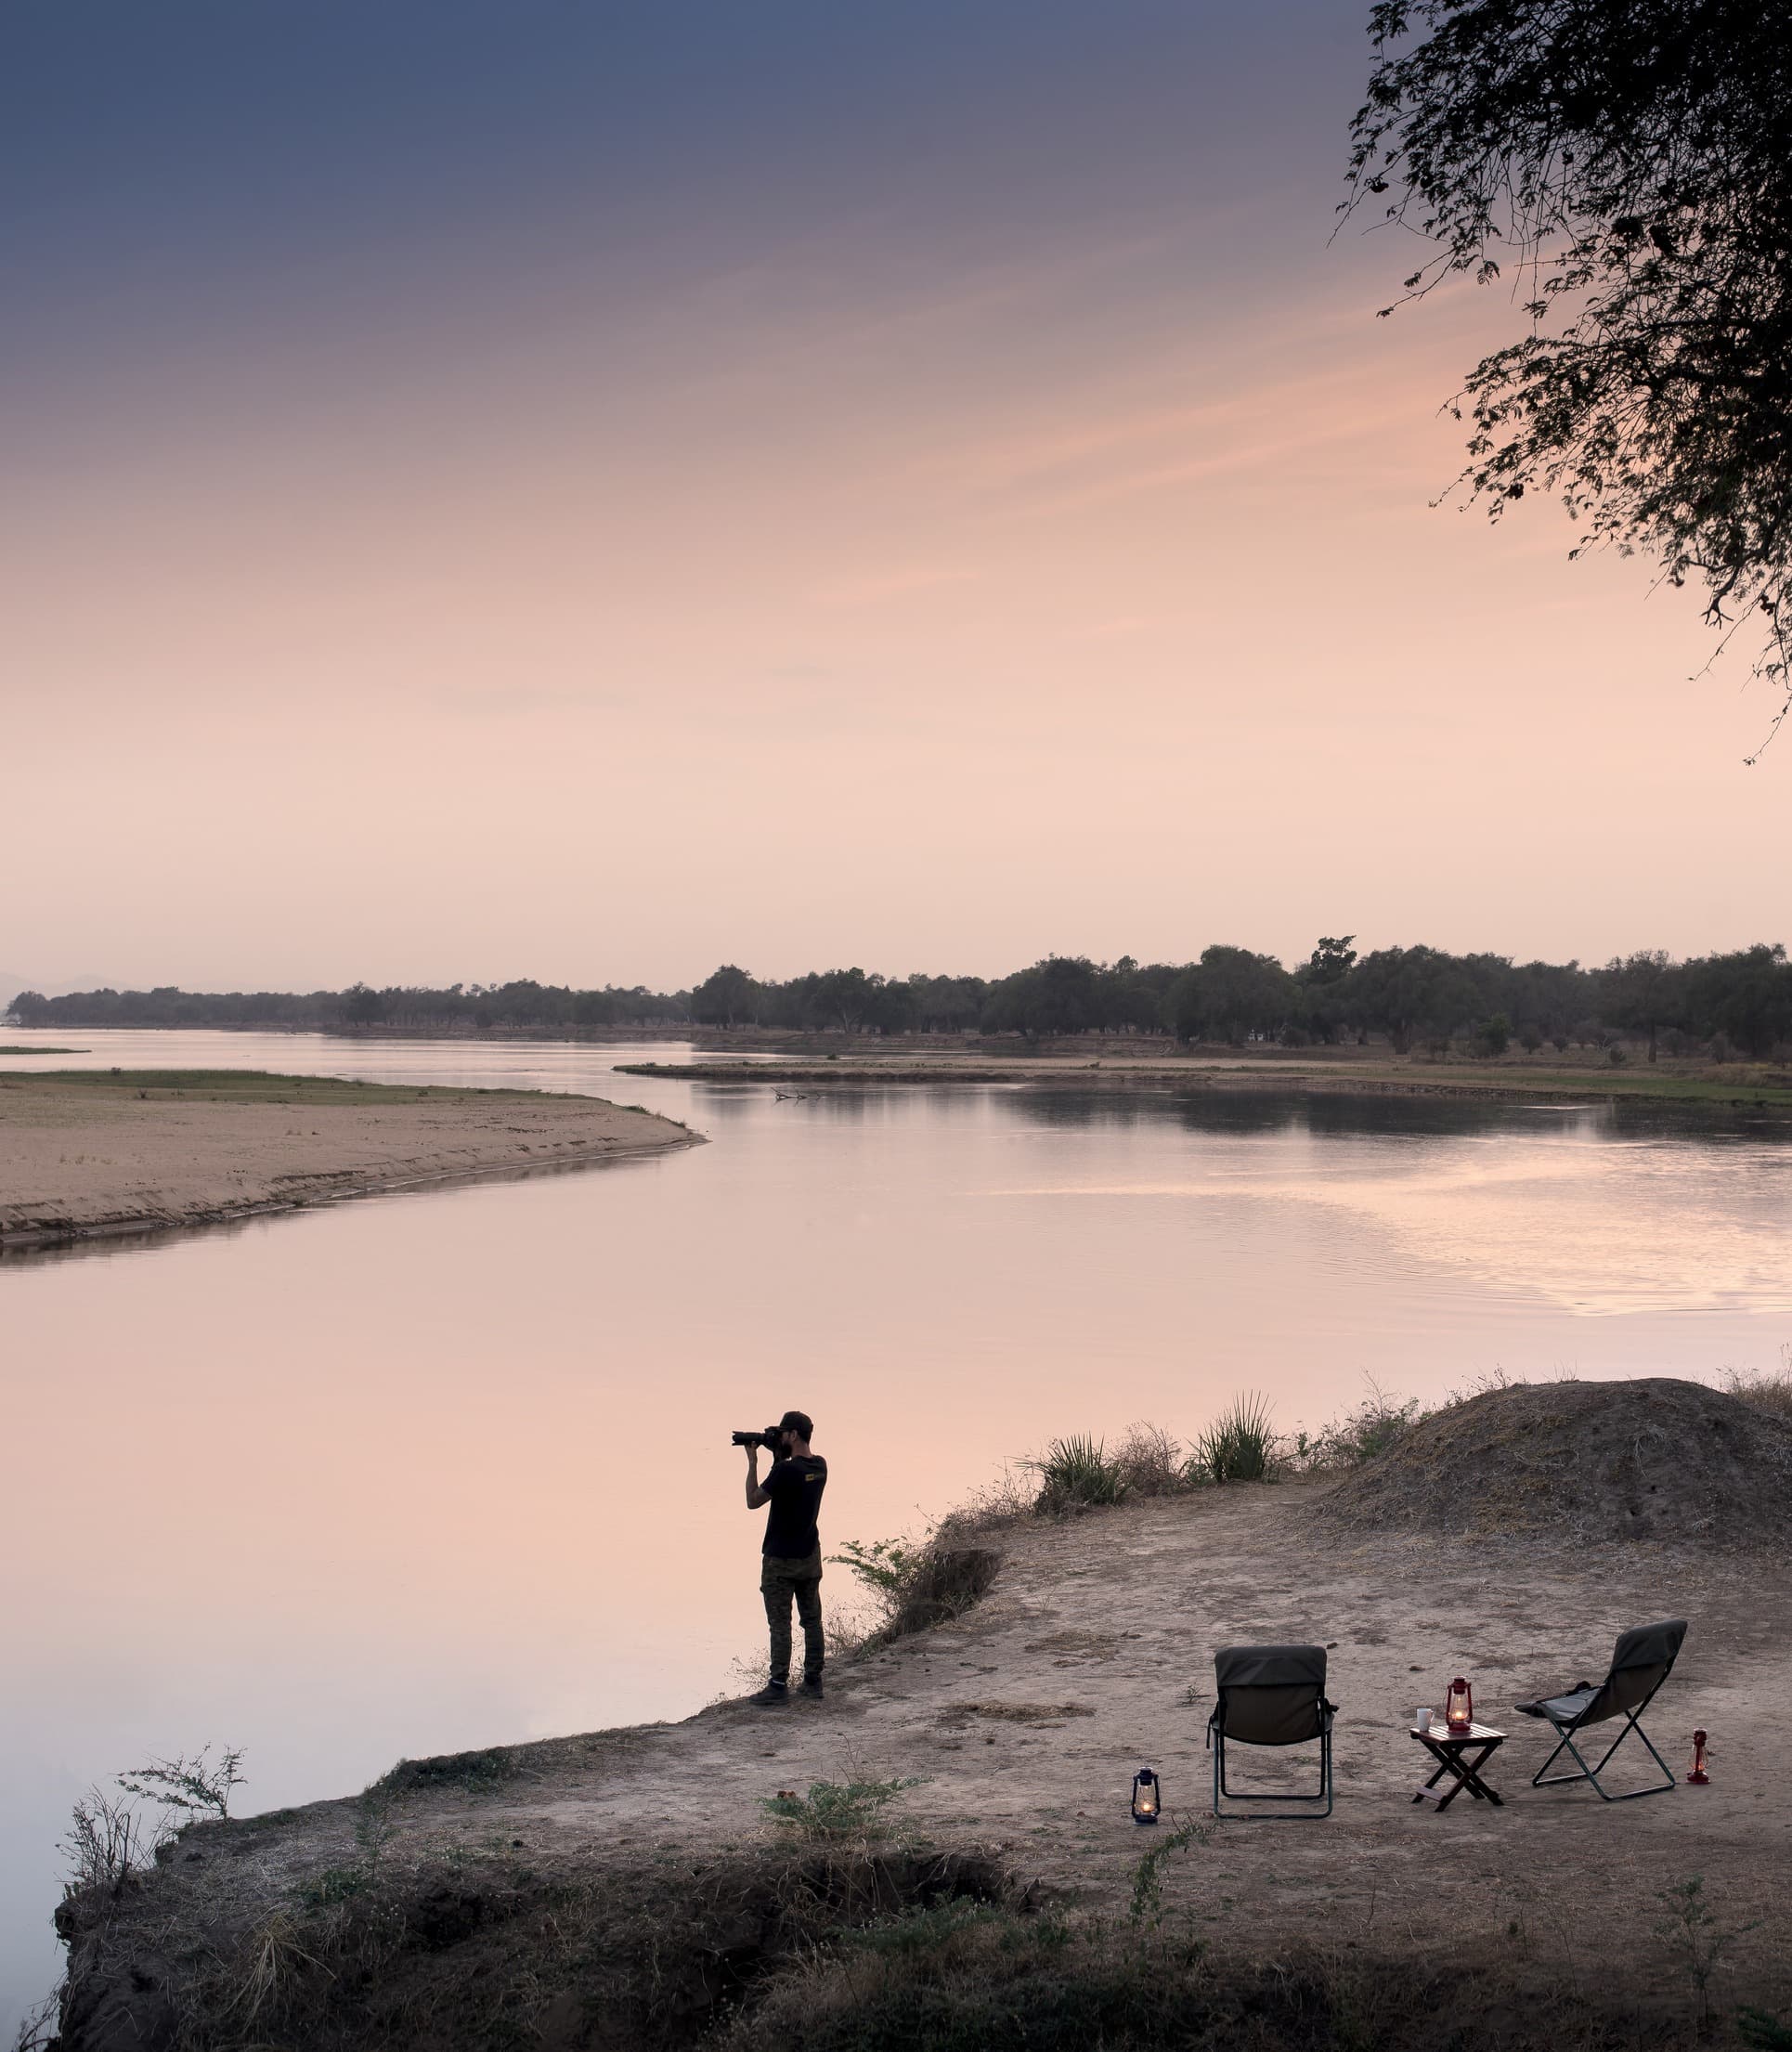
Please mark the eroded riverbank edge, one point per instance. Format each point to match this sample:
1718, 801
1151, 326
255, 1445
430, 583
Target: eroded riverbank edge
102, 1155
627, 1886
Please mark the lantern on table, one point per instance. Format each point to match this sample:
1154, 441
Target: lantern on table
1697, 1773
1459, 1707
1146, 1797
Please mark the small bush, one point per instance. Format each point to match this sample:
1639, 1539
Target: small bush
915, 1588
1150, 1463
1075, 1474
836, 1811
1239, 1445
1374, 1426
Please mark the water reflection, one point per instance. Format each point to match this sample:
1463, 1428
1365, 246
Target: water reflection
371, 1455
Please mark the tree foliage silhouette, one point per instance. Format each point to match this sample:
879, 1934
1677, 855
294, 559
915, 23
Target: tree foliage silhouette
1634, 159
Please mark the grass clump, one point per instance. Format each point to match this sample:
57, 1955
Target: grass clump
1770, 1391
1239, 1446
1076, 1474
836, 1812
476, 1772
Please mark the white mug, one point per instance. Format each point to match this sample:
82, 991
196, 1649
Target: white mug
1422, 1722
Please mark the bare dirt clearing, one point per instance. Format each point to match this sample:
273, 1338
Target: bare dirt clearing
1092, 1654
83, 1153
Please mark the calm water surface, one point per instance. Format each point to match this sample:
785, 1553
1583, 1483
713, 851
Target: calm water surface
450, 1468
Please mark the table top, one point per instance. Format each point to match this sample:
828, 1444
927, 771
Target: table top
1441, 1735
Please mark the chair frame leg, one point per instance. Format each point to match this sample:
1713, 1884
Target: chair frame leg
1324, 1793
1565, 1733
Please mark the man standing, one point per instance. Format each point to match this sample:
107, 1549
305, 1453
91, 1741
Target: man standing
792, 1554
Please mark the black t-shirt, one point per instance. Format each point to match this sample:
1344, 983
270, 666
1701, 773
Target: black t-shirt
795, 1488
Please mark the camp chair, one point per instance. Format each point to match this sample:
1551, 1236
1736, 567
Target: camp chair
1270, 1695
1641, 1661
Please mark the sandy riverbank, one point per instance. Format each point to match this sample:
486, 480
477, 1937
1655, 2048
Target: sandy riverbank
85, 1153
1720, 1087
519, 1877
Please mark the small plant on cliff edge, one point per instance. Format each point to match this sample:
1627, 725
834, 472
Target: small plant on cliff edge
192, 1788
107, 1842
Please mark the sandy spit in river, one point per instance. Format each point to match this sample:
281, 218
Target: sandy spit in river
82, 1154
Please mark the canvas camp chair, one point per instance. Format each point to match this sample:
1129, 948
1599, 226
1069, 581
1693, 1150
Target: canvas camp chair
1271, 1695
1641, 1661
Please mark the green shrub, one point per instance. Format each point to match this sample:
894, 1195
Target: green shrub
1376, 1424
916, 1586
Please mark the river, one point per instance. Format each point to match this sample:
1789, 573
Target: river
451, 1468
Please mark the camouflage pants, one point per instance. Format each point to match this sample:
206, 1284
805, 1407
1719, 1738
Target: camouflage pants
779, 1581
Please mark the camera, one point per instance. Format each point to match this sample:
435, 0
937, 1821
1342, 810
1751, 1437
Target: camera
770, 1439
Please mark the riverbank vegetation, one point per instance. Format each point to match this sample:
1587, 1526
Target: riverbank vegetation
1715, 1007
914, 1584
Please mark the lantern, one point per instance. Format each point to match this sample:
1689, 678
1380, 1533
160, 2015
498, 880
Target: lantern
1147, 1792
1696, 1772
1459, 1707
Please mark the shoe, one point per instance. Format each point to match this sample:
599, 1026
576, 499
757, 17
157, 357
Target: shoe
811, 1687
772, 1693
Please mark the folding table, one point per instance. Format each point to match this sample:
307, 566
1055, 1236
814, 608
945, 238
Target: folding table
1461, 1755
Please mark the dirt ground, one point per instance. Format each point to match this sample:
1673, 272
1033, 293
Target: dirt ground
1092, 1654
82, 1155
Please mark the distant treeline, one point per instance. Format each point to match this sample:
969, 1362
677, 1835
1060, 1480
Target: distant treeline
462, 1006
1718, 1004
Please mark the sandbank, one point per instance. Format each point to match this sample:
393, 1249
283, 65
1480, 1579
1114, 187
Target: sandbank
86, 1153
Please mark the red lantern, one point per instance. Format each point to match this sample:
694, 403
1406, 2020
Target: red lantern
1459, 1707
1696, 1772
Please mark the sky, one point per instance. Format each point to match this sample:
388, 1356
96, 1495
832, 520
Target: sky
545, 487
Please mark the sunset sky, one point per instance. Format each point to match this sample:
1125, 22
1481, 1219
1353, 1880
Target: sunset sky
557, 489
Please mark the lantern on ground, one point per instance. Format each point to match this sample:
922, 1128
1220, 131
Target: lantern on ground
1696, 1772
1459, 1707
1146, 1797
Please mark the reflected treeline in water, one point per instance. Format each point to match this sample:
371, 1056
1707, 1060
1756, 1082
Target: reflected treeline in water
1239, 1113
1226, 1110
1350, 1115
